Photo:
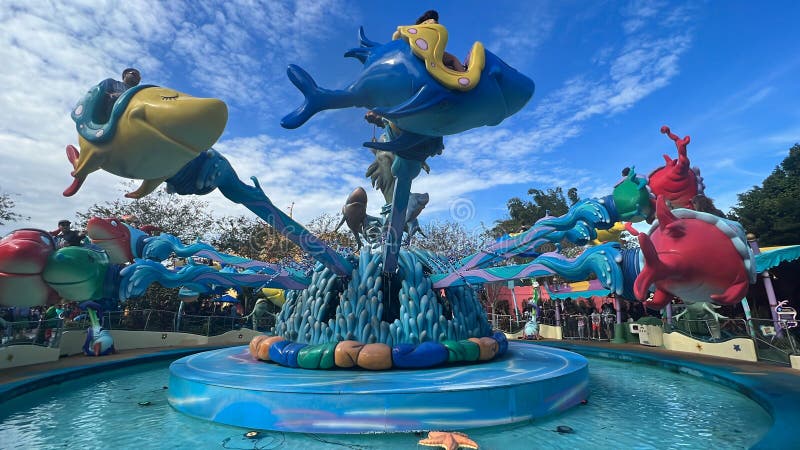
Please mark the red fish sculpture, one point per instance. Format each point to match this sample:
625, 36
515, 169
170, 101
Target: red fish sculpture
695, 256
121, 241
675, 181
23, 257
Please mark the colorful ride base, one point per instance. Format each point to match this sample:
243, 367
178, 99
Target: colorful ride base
228, 386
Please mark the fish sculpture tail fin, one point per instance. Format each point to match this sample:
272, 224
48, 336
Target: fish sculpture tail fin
653, 267
303, 81
316, 98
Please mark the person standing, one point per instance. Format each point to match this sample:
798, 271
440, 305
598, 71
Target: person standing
595, 320
581, 325
609, 314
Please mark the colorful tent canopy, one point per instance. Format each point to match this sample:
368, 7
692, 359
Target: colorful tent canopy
774, 256
581, 289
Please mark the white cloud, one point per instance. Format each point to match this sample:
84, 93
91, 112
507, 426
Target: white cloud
521, 35
646, 61
234, 50
637, 14
54, 51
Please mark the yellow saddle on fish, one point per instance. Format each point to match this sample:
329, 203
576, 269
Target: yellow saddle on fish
609, 235
428, 42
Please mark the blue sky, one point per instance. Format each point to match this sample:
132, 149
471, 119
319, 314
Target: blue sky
608, 76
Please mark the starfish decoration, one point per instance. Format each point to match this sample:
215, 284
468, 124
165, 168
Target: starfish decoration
737, 347
448, 440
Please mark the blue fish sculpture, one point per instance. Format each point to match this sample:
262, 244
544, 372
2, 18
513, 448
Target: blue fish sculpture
396, 83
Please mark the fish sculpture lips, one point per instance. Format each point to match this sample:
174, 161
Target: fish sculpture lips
23, 257
76, 273
695, 256
25, 251
115, 237
157, 134
99, 229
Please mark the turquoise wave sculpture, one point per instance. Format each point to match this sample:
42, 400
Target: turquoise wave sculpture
319, 314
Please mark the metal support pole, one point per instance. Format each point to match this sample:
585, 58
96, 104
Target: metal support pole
773, 302
619, 327
178, 317
668, 312
514, 299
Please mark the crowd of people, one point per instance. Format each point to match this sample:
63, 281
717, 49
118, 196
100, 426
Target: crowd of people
583, 319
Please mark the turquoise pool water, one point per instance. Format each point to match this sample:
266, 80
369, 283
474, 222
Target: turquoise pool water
630, 406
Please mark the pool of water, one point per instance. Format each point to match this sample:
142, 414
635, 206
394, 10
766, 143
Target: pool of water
630, 406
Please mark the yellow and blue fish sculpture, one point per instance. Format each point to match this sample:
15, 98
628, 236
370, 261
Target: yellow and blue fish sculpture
152, 133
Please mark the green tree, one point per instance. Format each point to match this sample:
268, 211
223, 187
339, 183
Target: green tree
7, 206
277, 248
450, 238
242, 236
324, 227
772, 211
524, 213
182, 216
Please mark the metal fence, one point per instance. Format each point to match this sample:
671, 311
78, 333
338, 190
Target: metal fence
506, 323
773, 343
548, 317
710, 330
47, 333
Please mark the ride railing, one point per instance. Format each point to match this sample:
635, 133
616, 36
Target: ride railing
265, 324
708, 330
45, 333
548, 317
139, 320
158, 320
775, 343
209, 325
506, 323
573, 326
711, 330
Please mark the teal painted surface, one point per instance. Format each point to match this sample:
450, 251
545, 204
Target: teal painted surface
772, 258
227, 386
